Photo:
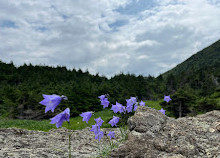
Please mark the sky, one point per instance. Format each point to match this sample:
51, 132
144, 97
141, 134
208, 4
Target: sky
108, 37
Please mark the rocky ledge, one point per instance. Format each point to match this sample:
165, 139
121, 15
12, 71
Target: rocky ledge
154, 135
21, 143
151, 135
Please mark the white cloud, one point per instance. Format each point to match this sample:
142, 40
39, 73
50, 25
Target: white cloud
95, 35
141, 57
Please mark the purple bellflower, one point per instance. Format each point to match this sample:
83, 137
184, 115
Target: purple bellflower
162, 111
114, 121
63, 116
99, 135
135, 106
129, 102
167, 98
99, 121
129, 108
86, 116
114, 108
118, 108
111, 134
95, 129
101, 97
134, 99
142, 103
105, 102
51, 102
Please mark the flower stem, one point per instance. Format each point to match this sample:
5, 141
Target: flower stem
108, 140
69, 140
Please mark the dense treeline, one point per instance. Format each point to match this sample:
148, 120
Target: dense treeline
21, 89
194, 92
194, 86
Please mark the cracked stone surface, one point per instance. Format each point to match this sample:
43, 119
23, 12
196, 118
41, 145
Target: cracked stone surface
154, 135
22, 143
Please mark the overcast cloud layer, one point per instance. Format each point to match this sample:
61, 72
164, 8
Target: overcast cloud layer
107, 36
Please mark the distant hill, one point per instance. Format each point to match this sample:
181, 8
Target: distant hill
194, 85
208, 57
201, 71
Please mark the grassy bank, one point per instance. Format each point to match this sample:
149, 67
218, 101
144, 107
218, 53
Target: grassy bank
75, 123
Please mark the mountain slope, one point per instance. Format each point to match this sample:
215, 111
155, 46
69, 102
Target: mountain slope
205, 59
200, 72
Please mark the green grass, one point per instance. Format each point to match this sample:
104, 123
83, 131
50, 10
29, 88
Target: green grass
44, 125
218, 101
26, 124
154, 104
76, 123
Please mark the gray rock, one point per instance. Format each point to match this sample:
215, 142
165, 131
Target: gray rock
21, 143
154, 135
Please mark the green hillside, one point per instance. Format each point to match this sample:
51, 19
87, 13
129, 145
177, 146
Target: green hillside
201, 72
206, 59
194, 84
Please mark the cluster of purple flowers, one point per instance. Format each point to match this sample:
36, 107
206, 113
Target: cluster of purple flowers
104, 101
131, 105
96, 128
166, 99
51, 102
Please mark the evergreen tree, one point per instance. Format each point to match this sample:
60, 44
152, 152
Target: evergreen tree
181, 104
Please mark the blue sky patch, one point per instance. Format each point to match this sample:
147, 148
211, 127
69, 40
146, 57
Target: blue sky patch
136, 6
64, 17
7, 24
117, 24
42, 29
